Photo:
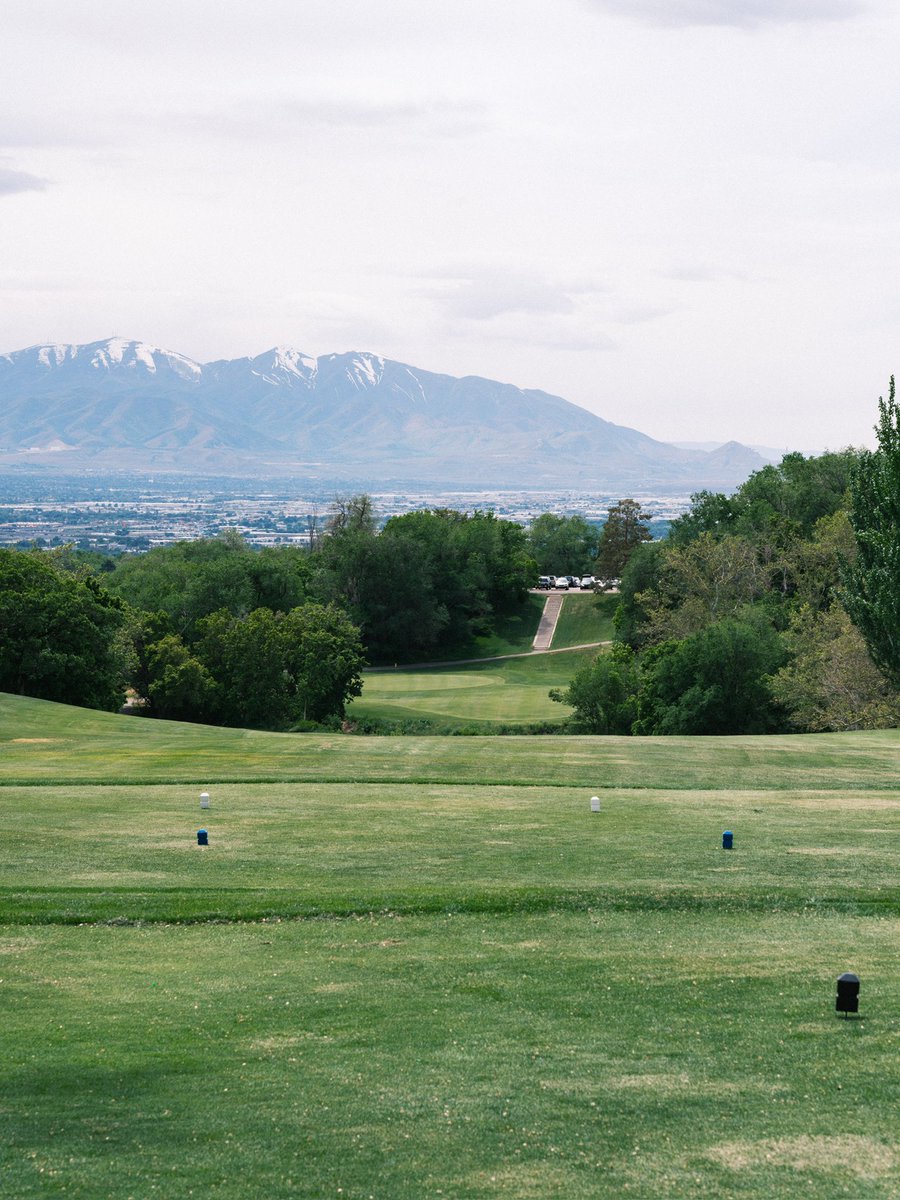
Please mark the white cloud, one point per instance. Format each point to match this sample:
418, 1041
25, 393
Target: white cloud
492, 294
12, 182
275, 119
744, 14
702, 272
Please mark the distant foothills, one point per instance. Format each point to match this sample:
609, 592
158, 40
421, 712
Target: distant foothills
123, 405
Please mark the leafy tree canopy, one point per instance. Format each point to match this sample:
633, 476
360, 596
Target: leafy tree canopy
872, 581
563, 545
603, 693
829, 682
713, 682
60, 634
190, 580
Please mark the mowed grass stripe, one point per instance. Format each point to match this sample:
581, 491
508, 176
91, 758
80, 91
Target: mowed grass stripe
130, 853
47, 744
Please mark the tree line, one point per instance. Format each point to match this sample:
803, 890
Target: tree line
213, 630
774, 609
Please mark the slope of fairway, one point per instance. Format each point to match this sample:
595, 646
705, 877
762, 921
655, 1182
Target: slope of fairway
49, 744
512, 633
586, 617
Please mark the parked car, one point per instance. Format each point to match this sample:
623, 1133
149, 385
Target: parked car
561, 581
545, 582
587, 581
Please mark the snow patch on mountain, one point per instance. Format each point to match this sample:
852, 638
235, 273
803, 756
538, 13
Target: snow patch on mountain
365, 370
119, 352
50, 356
283, 365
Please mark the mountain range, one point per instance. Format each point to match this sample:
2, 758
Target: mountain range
357, 417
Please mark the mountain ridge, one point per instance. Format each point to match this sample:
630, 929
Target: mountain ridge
124, 404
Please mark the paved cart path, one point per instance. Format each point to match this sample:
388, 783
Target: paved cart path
543, 639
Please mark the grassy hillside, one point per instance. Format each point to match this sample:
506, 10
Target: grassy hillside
585, 617
48, 744
422, 967
513, 633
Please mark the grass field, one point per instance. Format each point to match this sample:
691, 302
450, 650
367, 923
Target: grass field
509, 693
586, 617
512, 691
421, 967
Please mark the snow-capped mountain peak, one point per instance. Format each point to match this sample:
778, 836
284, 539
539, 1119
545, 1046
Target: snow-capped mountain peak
355, 415
107, 356
138, 356
362, 369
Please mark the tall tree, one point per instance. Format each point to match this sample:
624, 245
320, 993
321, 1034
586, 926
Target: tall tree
626, 527
872, 582
562, 544
59, 634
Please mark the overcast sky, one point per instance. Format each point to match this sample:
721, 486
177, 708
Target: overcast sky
681, 214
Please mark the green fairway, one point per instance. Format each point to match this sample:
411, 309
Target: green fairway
130, 852
421, 967
551, 1055
513, 691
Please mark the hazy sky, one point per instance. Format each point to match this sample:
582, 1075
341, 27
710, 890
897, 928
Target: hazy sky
681, 214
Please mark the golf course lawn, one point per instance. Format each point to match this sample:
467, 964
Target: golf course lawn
513, 691
421, 967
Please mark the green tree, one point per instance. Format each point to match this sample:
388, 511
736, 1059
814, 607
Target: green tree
429, 579
872, 582
710, 512
246, 657
190, 580
830, 683
626, 527
273, 669
713, 682
640, 583
603, 693
796, 493
562, 545
59, 634
700, 583
324, 660
815, 563
179, 686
